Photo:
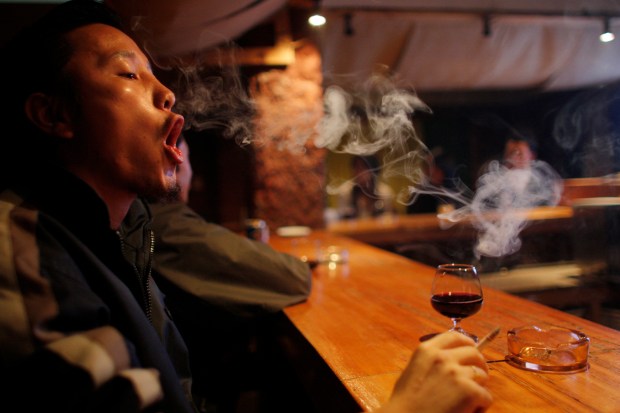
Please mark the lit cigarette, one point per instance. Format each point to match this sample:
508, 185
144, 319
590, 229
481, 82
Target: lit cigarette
488, 338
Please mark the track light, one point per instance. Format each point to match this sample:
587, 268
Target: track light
317, 19
348, 26
606, 35
486, 25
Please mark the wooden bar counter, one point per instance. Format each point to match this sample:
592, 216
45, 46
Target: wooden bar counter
363, 319
403, 229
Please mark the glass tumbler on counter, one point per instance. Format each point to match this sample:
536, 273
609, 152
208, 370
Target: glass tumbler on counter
334, 255
457, 293
257, 229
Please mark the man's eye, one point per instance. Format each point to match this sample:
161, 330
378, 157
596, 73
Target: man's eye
129, 75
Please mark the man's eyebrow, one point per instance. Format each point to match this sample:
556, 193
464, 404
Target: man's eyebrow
131, 55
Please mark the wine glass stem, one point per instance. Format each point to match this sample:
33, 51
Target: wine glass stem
456, 324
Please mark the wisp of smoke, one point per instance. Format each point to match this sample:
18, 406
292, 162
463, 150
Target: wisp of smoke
585, 127
209, 96
213, 97
501, 202
376, 119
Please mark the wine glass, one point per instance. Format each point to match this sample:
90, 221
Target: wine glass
457, 293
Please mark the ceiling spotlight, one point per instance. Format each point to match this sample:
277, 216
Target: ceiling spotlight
317, 20
606, 35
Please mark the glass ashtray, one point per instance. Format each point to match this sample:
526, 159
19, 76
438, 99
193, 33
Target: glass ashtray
548, 348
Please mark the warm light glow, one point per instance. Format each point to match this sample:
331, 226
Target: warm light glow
316, 20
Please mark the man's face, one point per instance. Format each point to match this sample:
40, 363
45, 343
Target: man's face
517, 154
124, 131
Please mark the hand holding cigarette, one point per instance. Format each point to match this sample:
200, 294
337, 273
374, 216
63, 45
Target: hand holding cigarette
445, 374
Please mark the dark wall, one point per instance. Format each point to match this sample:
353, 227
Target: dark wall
222, 186
15, 16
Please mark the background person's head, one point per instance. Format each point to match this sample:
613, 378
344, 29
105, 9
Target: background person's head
518, 153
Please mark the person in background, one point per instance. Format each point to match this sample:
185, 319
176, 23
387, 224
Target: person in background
365, 195
517, 160
525, 175
518, 153
90, 135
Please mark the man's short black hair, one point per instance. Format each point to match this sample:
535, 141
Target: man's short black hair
526, 139
33, 61
36, 55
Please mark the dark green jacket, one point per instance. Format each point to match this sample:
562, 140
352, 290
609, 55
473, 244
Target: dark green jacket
241, 276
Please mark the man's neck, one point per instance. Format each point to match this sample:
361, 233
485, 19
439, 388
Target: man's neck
118, 214
117, 202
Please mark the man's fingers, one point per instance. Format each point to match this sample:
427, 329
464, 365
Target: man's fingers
477, 374
450, 339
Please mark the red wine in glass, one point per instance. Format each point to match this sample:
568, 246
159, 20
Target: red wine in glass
457, 293
456, 304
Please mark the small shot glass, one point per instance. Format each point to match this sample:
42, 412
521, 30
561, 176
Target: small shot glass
333, 255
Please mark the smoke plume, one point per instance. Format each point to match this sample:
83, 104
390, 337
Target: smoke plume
379, 120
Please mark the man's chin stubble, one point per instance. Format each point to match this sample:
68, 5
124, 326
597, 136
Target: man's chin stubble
172, 194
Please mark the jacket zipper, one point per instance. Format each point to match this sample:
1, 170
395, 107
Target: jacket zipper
144, 277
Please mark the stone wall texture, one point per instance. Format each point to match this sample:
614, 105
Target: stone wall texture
289, 170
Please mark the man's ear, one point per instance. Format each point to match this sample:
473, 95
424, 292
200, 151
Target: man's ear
49, 115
